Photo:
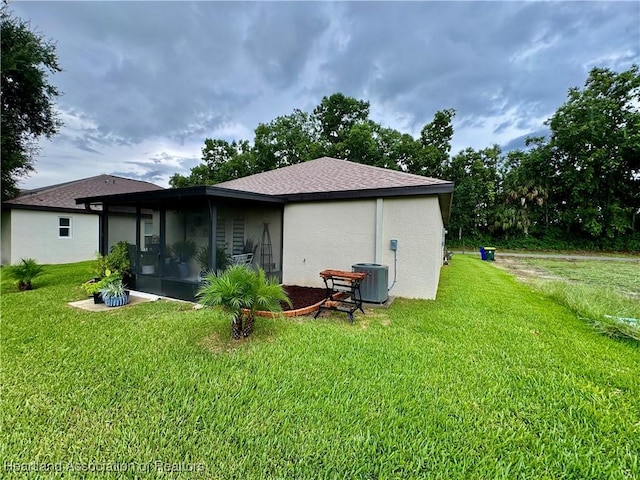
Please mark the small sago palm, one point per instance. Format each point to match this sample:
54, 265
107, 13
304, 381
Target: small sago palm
241, 292
266, 295
24, 272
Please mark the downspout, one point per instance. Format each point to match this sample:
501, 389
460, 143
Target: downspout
379, 230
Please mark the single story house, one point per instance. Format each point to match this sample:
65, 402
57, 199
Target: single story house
48, 225
293, 222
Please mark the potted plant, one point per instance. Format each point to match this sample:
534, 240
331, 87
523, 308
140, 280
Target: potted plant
94, 287
183, 250
203, 260
24, 272
148, 263
114, 293
223, 260
116, 261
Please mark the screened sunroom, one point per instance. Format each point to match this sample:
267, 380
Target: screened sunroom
177, 236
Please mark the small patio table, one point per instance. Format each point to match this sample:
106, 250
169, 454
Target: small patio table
342, 292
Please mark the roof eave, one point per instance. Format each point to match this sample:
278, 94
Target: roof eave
45, 208
421, 190
179, 194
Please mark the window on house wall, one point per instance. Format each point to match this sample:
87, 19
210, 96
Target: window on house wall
64, 227
238, 236
148, 234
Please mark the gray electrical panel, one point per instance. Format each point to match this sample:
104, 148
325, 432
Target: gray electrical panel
374, 288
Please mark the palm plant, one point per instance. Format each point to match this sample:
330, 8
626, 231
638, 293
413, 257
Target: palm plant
24, 272
241, 292
184, 249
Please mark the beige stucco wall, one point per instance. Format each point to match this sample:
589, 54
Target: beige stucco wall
5, 239
121, 227
322, 235
34, 234
336, 235
417, 225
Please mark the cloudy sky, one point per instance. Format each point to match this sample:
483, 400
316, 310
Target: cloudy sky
146, 82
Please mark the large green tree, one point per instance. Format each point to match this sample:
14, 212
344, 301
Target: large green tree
435, 140
336, 115
477, 190
27, 97
338, 127
287, 140
222, 161
527, 179
595, 150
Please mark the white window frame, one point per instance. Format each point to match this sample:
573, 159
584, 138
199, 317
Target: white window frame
68, 227
147, 237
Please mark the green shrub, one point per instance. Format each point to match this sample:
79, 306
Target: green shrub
116, 261
24, 272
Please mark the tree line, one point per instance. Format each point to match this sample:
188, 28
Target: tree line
578, 187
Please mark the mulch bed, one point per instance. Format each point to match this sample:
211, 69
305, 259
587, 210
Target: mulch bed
303, 296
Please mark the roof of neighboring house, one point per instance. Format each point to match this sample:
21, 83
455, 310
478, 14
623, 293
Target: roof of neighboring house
338, 178
62, 197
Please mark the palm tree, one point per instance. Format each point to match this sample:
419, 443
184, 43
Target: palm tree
24, 272
266, 295
241, 292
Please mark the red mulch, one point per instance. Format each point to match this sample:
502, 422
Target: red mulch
303, 296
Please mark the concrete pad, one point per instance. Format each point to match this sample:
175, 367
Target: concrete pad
134, 299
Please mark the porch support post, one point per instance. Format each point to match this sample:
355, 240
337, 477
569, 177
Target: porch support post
163, 239
103, 230
379, 229
213, 227
138, 225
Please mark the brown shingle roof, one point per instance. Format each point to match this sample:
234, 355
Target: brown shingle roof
328, 175
63, 195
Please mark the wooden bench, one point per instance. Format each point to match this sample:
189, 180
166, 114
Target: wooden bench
343, 284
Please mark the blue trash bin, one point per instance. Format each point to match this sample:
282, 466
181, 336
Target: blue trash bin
483, 253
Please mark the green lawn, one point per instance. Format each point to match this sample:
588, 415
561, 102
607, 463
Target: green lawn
492, 380
606, 294
623, 277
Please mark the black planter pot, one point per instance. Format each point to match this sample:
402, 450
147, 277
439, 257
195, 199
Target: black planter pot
128, 280
97, 298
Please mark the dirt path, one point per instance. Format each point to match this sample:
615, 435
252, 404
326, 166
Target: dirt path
523, 271
557, 256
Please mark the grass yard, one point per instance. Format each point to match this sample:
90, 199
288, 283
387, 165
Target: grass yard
604, 293
622, 277
492, 380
